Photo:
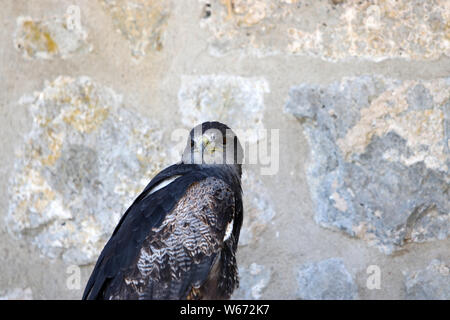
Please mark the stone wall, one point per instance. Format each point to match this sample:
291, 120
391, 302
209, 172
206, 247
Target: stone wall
354, 97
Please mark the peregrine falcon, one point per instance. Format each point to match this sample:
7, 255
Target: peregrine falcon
178, 239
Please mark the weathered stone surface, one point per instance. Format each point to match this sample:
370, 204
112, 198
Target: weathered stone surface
329, 30
432, 283
326, 280
258, 209
83, 163
16, 294
141, 22
50, 38
236, 101
253, 280
379, 157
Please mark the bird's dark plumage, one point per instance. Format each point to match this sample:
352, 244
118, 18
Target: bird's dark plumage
178, 242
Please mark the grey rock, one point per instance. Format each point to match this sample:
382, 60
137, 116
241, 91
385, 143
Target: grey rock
432, 283
379, 157
258, 209
83, 163
252, 281
419, 98
326, 280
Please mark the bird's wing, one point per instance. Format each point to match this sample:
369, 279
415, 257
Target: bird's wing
155, 208
167, 241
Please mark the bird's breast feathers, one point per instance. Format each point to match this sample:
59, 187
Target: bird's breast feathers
179, 255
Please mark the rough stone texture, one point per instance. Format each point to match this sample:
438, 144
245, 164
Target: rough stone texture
234, 100
373, 30
141, 22
252, 281
379, 157
432, 283
326, 280
258, 209
54, 37
16, 294
84, 161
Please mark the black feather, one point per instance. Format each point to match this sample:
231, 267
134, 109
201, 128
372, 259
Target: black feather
147, 212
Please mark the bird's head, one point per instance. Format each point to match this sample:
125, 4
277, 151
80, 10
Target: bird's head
213, 143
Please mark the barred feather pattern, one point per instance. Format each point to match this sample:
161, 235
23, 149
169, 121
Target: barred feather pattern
189, 244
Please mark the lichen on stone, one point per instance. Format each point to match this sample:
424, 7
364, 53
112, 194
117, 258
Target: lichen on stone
53, 37
379, 157
141, 22
367, 29
85, 160
378, 30
409, 111
243, 25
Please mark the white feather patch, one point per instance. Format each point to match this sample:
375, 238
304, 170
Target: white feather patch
162, 184
228, 231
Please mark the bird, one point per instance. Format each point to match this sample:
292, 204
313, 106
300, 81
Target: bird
178, 239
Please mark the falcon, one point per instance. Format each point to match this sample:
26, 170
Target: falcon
178, 239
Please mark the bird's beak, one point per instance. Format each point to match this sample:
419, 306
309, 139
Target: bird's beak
208, 146
205, 142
